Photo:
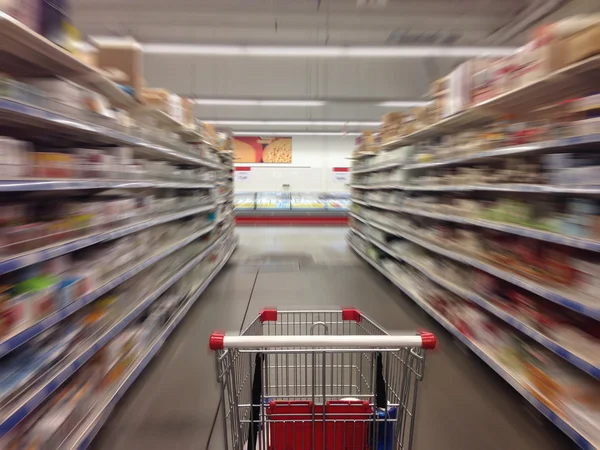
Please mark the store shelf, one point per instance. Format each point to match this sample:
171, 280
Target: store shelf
359, 218
363, 155
378, 167
557, 86
45, 253
516, 187
49, 184
373, 241
19, 337
359, 202
525, 149
14, 112
540, 188
17, 410
29, 115
571, 355
188, 134
82, 437
377, 186
380, 205
25, 51
513, 379
379, 225
547, 236
569, 299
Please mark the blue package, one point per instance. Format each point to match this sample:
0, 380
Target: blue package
67, 291
385, 430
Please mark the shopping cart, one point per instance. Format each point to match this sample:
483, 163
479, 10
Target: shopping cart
319, 380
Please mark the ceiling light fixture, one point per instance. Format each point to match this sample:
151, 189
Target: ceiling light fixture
295, 133
402, 104
227, 102
328, 51
293, 123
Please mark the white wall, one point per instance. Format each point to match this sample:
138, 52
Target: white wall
313, 158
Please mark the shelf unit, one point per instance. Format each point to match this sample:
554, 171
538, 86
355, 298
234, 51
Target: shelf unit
386, 230
514, 379
197, 237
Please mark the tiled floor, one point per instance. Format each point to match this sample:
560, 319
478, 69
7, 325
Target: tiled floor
463, 404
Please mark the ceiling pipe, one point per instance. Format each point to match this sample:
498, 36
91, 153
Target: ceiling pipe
535, 12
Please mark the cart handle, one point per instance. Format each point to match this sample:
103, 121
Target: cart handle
219, 341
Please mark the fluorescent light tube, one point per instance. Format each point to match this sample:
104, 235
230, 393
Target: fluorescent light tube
295, 133
228, 102
327, 51
293, 123
402, 104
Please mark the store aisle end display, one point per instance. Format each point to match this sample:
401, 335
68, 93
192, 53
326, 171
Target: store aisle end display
116, 211
294, 208
484, 208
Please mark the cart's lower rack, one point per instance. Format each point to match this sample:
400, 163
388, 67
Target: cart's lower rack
16, 411
82, 437
45, 253
510, 377
556, 295
570, 355
548, 236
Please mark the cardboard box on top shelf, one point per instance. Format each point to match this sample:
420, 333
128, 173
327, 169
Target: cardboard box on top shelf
537, 59
156, 98
418, 113
369, 142
484, 84
126, 56
175, 107
188, 112
559, 44
392, 117
209, 132
582, 45
87, 54
458, 96
163, 100
391, 124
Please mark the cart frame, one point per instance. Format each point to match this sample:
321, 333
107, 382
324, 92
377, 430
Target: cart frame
319, 380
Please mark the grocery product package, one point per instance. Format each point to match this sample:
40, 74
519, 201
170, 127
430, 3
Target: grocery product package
126, 56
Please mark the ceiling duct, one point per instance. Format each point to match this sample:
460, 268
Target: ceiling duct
405, 37
379, 4
533, 14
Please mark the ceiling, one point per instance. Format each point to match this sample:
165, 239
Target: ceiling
351, 86
294, 21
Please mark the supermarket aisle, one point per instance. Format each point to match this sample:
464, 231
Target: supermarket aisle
463, 404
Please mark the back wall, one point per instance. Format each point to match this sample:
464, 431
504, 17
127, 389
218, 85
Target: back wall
313, 160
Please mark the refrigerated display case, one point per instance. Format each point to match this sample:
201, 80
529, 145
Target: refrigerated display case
273, 201
312, 208
244, 201
338, 202
307, 201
